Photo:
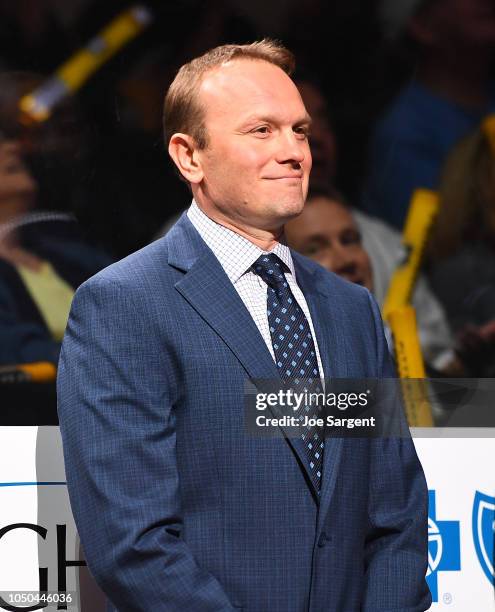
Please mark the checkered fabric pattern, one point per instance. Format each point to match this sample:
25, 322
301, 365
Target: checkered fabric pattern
294, 350
236, 255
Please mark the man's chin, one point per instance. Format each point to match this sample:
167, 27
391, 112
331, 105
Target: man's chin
293, 210
276, 222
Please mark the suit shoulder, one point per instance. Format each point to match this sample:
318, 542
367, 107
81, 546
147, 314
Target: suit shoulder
136, 269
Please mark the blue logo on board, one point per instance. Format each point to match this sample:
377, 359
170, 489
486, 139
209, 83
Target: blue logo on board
444, 549
484, 532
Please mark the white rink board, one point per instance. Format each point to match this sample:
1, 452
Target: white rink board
28, 456
455, 469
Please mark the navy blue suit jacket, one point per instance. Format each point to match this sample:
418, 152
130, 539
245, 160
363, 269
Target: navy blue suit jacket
178, 509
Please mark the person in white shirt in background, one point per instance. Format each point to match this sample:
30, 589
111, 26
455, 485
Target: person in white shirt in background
365, 251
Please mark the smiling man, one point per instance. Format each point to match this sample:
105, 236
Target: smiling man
178, 507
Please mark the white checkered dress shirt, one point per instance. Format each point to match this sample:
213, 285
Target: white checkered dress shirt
236, 255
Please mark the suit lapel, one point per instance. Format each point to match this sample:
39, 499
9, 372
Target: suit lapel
209, 291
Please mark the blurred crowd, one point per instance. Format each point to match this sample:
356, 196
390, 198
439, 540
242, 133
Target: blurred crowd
401, 94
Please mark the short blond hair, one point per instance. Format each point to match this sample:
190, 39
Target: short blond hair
182, 111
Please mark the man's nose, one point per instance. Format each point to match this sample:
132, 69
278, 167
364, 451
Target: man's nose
291, 148
343, 263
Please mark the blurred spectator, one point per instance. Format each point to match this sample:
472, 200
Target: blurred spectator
42, 261
58, 150
461, 249
43, 255
327, 232
453, 44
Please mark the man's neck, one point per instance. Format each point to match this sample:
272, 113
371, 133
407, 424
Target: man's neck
266, 240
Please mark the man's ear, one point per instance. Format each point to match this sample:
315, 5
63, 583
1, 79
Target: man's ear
183, 149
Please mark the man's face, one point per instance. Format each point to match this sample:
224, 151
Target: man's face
327, 233
257, 161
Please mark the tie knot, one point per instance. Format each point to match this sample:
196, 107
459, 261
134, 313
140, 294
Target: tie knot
271, 269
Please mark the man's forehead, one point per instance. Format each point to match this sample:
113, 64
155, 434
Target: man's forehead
246, 68
252, 85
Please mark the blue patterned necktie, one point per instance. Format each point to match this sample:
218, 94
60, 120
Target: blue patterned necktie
294, 349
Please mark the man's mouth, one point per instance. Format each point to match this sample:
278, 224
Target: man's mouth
285, 177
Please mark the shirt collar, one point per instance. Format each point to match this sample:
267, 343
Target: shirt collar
235, 253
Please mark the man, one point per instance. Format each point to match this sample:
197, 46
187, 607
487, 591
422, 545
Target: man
177, 506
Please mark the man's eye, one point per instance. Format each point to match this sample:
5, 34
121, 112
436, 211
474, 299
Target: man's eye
302, 132
311, 249
351, 237
262, 130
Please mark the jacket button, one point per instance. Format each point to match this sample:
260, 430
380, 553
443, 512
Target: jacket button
323, 539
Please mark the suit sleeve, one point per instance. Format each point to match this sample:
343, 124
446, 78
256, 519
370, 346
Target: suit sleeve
115, 396
396, 547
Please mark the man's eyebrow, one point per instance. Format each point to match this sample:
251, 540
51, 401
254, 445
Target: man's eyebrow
304, 121
316, 235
